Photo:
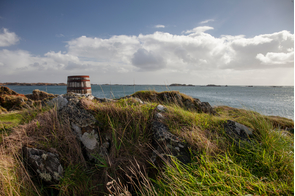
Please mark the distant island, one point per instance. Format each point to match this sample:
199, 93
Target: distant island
213, 85
175, 84
32, 84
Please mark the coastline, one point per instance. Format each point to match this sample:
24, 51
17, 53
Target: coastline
264, 99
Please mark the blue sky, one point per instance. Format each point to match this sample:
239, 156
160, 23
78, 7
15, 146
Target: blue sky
234, 42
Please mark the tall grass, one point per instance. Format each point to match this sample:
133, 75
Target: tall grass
127, 123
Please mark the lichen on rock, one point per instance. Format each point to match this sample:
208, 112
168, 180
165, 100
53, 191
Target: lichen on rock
45, 164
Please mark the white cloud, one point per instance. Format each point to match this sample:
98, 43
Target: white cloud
159, 26
198, 30
61, 58
59, 35
195, 57
206, 21
276, 58
119, 48
8, 38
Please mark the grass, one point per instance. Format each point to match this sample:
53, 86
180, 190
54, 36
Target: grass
265, 166
10, 120
127, 123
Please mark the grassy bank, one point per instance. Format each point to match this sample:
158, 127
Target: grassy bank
264, 166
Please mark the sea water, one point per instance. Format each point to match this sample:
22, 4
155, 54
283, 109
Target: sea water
276, 101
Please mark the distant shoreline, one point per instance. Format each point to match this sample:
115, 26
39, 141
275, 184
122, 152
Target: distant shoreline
173, 84
32, 84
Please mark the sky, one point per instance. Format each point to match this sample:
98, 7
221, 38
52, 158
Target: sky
224, 42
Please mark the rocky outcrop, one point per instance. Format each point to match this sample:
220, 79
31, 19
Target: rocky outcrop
6, 91
83, 124
165, 143
196, 104
175, 97
14, 102
40, 95
237, 132
45, 165
10, 100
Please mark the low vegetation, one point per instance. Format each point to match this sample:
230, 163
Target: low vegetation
264, 166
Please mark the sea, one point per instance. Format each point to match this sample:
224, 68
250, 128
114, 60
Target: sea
267, 100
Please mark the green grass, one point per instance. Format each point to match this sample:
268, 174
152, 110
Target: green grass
9, 120
77, 180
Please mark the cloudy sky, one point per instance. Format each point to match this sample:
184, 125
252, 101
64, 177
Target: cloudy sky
226, 42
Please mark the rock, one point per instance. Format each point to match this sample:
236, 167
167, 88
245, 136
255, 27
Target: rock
77, 131
189, 104
6, 91
176, 97
71, 95
40, 95
84, 125
161, 108
206, 108
59, 101
105, 100
10, 100
45, 164
159, 116
90, 140
166, 143
76, 114
137, 100
237, 131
